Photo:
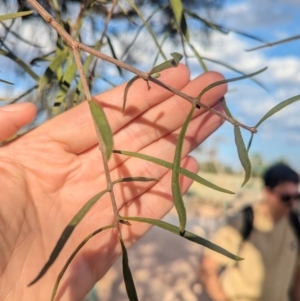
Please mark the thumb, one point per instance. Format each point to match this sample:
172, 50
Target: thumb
13, 117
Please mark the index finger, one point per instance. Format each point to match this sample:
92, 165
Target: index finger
75, 128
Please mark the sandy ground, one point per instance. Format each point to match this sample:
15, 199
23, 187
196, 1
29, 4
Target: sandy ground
164, 265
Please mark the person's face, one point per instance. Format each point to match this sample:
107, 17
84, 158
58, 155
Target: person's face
282, 198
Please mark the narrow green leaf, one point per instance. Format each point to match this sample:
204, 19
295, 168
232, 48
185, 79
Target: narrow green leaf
168, 64
164, 39
126, 91
184, 28
65, 84
277, 108
134, 179
247, 35
138, 32
102, 126
21, 64
208, 24
198, 56
177, 8
6, 82
15, 15
276, 43
250, 142
220, 28
129, 283
113, 54
152, 34
79, 247
225, 108
44, 58
25, 94
107, 81
188, 235
242, 152
240, 145
234, 69
154, 72
218, 83
169, 165
87, 63
19, 36
176, 192
53, 69
67, 233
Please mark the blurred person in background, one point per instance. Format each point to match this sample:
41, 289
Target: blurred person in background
267, 236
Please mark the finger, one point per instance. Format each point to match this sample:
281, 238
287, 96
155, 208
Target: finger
137, 207
161, 119
156, 203
166, 117
75, 127
199, 129
13, 117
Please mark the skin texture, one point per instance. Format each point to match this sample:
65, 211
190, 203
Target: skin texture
276, 207
209, 277
49, 173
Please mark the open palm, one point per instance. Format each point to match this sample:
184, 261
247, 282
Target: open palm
49, 173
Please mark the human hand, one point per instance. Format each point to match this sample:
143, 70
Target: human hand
47, 174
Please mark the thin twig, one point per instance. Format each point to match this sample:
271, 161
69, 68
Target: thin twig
81, 73
195, 100
275, 43
70, 41
80, 16
74, 45
144, 75
102, 146
108, 18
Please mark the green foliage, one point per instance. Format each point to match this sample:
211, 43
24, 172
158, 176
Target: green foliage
297, 37
177, 196
67, 233
79, 247
241, 148
154, 73
243, 154
129, 284
277, 108
15, 15
62, 67
181, 23
186, 234
102, 126
169, 165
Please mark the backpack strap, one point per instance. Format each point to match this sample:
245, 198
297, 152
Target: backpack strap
295, 223
246, 228
248, 218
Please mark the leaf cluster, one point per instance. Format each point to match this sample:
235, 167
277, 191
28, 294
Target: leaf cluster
73, 68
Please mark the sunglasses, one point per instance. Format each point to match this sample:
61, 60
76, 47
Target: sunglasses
289, 197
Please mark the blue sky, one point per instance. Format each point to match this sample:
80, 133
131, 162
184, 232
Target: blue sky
279, 136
